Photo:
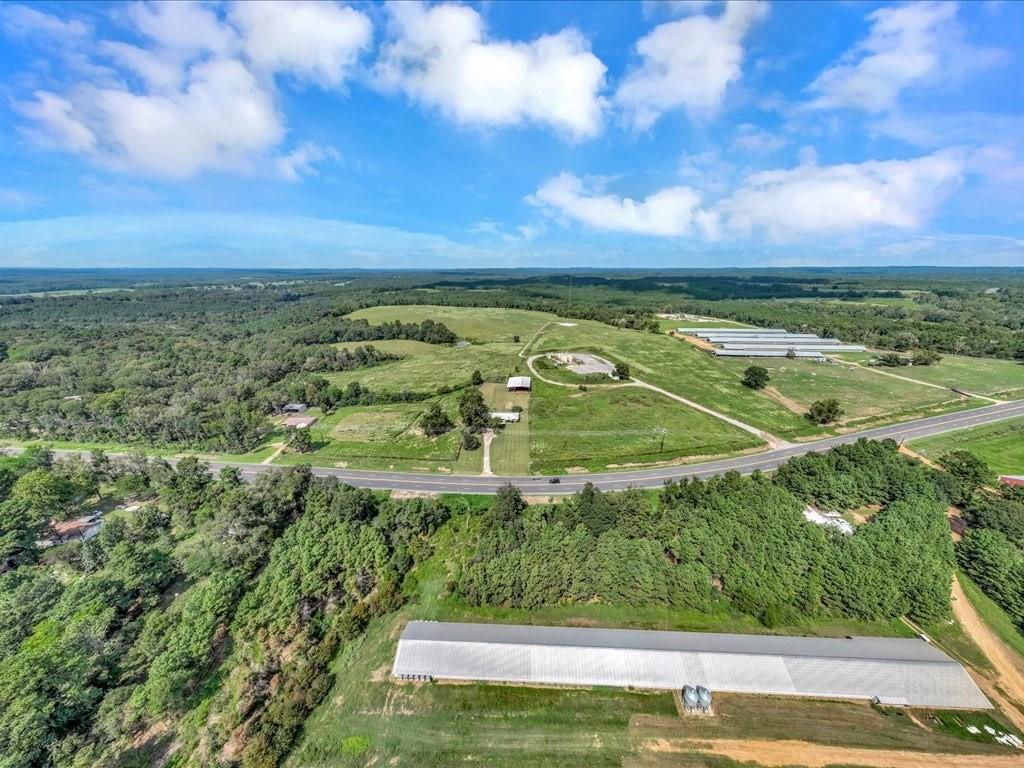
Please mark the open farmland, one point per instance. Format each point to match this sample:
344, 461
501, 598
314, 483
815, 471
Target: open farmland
979, 375
479, 325
441, 366
618, 426
381, 437
1000, 445
510, 450
867, 397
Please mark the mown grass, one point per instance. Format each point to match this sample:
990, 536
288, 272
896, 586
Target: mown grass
510, 450
678, 367
980, 375
1000, 445
481, 325
609, 427
866, 397
442, 366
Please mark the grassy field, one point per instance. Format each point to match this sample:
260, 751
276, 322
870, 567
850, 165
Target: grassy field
479, 325
867, 397
382, 437
510, 451
442, 366
709, 324
404, 347
620, 426
980, 375
1001, 445
680, 368
369, 719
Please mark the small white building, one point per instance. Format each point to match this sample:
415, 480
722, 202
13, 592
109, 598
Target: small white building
300, 422
519, 384
509, 417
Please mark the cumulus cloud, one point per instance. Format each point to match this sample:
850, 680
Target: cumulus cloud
785, 205
688, 64
195, 91
751, 138
667, 212
315, 40
441, 57
23, 21
908, 45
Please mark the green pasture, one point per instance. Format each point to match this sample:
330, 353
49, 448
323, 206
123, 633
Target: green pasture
614, 427
709, 324
480, 325
1000, 445
681, 368
403, 347
866, 396
980, 375
441, 366
510, 450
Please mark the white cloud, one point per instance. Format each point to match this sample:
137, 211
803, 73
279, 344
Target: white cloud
847, 198
15, 198
440, 56
909, 45
22, 21
688, 64
319, 41
751, 138
302, 160
198, 94
60, 125
667, 212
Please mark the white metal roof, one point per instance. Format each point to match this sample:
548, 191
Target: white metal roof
894, 669
756, 352
518, 382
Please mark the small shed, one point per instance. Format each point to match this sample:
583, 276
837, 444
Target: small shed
295, 408
509, 417
519, 384
300, 422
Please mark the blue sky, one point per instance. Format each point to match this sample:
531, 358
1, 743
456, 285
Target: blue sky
671, 134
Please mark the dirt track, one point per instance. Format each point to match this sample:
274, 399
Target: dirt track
1009, 667
802, 753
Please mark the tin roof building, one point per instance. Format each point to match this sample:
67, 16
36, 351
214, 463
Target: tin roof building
518, 384
896, 671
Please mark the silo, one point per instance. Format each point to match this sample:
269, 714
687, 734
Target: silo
704, 695
691, 699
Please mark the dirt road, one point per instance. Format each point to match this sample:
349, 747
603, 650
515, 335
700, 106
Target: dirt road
1009, 667
803, 753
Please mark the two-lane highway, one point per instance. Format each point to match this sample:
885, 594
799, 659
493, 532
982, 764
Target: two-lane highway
641, 478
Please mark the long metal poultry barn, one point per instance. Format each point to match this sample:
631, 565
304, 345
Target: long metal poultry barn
896, 671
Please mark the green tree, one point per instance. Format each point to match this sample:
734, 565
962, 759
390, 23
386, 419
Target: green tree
824, 411
756, 377
435, 420
970, 472
477, 378
473, 410
925, 357
300, 441
621, 371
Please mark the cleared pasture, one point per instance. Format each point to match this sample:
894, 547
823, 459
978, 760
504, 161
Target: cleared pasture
442, 366
980, 375
510, 450
481, 325
867, 397
1000, 445
616, 427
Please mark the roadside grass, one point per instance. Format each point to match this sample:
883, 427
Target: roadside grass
477, 324
616, 427
71, 445
1000, 445
950, 636
680, 368
980, 375
441, 366
994, 616
510, 449
866, 397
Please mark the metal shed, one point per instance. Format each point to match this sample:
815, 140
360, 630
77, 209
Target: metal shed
900, 670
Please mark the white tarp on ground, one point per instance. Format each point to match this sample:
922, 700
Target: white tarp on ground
900, 670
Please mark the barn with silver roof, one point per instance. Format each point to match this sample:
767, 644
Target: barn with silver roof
897, 671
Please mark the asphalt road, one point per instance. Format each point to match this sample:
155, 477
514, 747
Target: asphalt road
641, 478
